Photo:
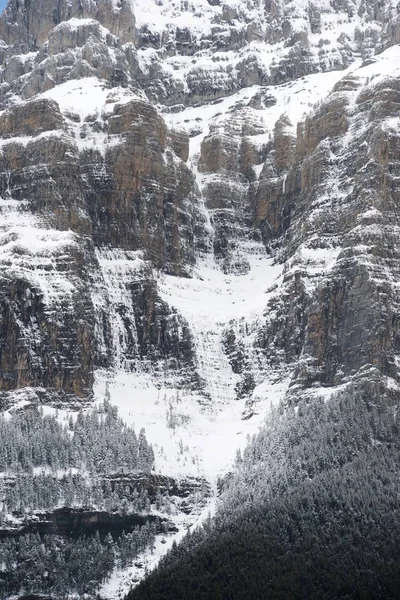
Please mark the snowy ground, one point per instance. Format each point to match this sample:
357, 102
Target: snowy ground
195, 435
204, 443
122, 580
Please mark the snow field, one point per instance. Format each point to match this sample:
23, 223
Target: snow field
33, 252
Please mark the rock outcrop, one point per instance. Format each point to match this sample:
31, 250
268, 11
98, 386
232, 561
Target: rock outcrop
72, 183
28, 24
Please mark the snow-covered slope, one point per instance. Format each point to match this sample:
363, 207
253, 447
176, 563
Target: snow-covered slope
209, 50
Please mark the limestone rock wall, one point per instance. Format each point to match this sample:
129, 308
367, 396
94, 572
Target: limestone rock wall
340, 243
143, 196
76, 49
103, 196
62, 200
28, 22
227, 177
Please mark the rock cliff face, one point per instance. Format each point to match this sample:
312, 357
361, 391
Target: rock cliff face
81, 199
199, 204
29, 24
352, 322
109, 174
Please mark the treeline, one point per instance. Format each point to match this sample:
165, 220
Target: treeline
27, 493
61, 567
45, 464
98, 441
85, 462
313, 511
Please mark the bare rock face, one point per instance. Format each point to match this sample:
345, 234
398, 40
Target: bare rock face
164, 341
325, 205
272, 209
142, 195
76, 49
71, 188
46, 341
345, 200
104, 199
226, 166
34, 118
38, 163
47, 316
226, 45
29, 23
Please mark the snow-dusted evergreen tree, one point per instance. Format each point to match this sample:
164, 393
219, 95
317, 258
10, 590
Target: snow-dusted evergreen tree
72, 462
312, 511
34, 565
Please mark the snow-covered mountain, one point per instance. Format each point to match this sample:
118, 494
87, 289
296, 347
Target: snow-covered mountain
198, 213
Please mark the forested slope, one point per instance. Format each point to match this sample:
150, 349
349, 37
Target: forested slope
312, 512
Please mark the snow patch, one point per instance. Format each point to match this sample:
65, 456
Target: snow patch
29, 251
88, 96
